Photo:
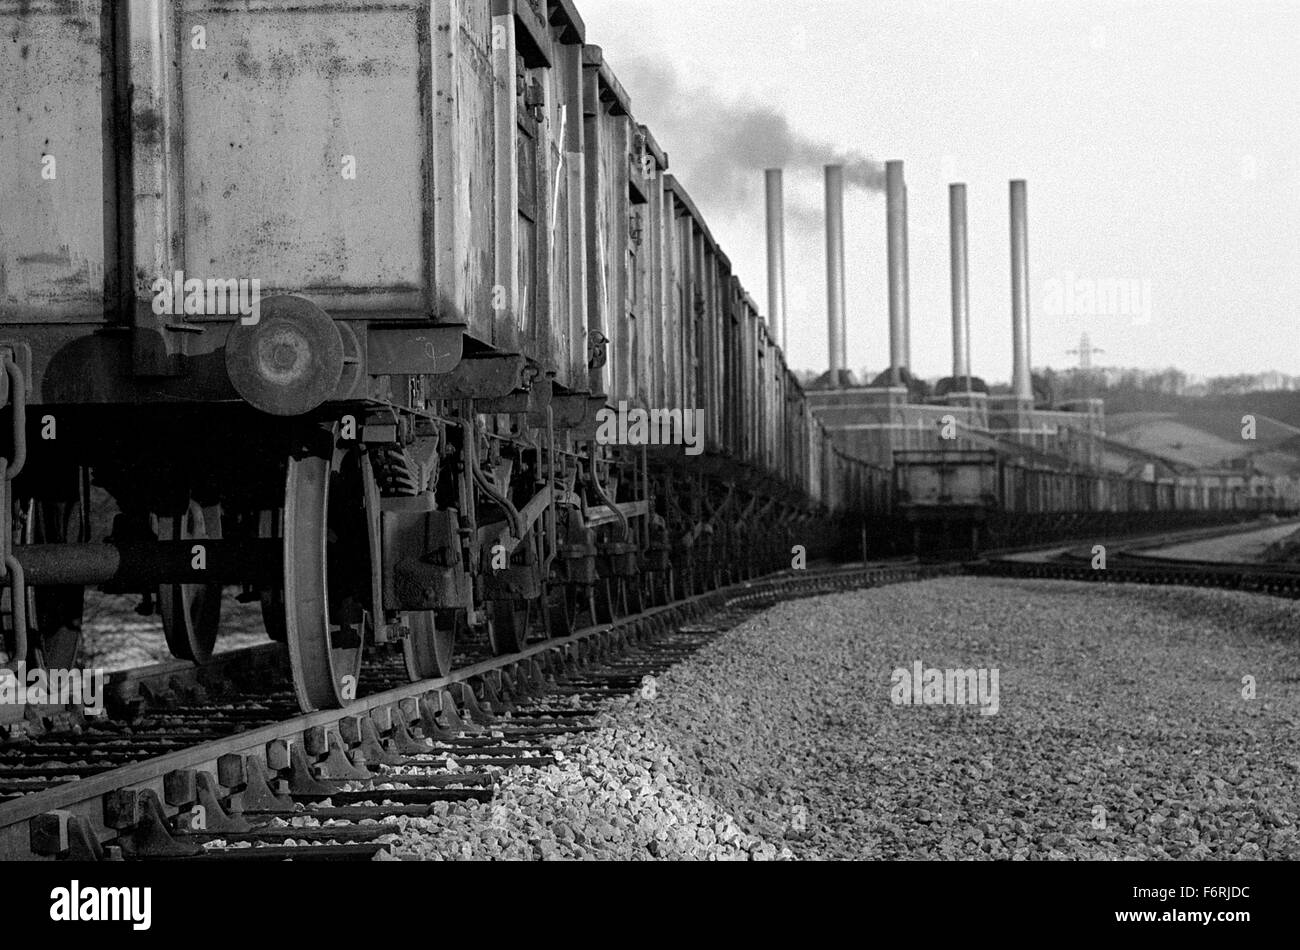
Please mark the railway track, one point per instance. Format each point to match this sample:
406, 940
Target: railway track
209, 763
207, 771
1127, 562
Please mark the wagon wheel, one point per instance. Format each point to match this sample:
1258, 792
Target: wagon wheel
331, 556
272, 599
56, 612
683, 580
581, 604
191, 613
431, 644
657, 588
602, 602
507, 625
610, 599
561, 609
634, 589
571, 604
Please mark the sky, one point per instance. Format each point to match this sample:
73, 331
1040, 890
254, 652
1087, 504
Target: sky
1160, 142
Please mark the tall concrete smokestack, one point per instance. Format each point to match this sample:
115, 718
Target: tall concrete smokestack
907, 287
835, 270
776, 255
896, 214
960, 288
1021, 382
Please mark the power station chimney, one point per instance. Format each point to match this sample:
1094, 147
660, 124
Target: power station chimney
960, 288
896, 214
776, 256
835, 271
1021, 382
907, 287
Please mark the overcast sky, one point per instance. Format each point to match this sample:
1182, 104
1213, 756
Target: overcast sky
1160, 141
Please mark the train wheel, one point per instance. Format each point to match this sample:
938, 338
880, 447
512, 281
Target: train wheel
55, 612
269, 526
610, 600
634, 593
562, 610
583, 605
429, 649
330, 557
191, 613
508, 622
658, 584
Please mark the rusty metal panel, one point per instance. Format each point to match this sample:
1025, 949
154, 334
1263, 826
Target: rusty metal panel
670, 313
692, 308
711, 356
567, 324
302, 146
506, 180
618, 208
362, 156
657, 290
721, 314
658, 232
463, 165
606, 203
549, 229
620, 326
749, 386
733, 404
57, 191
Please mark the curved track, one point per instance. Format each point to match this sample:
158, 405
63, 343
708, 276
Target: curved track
193, 766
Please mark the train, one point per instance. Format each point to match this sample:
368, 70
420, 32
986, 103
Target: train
329, 303
973, 500
334, 304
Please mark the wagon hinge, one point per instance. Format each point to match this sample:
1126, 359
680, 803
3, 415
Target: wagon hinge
10, 569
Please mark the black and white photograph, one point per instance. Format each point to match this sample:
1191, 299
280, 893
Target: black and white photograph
659, 432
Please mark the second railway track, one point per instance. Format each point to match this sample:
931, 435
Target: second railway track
1128, 561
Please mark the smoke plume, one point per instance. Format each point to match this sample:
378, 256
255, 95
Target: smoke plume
719, 148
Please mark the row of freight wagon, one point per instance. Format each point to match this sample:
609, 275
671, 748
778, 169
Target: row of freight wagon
993, 500
473, 164
340, 291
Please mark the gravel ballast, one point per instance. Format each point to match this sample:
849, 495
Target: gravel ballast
613, 797
1122, 731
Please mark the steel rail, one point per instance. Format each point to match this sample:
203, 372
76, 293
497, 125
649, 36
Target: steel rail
88, 797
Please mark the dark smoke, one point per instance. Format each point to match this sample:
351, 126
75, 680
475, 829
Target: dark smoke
719, 148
